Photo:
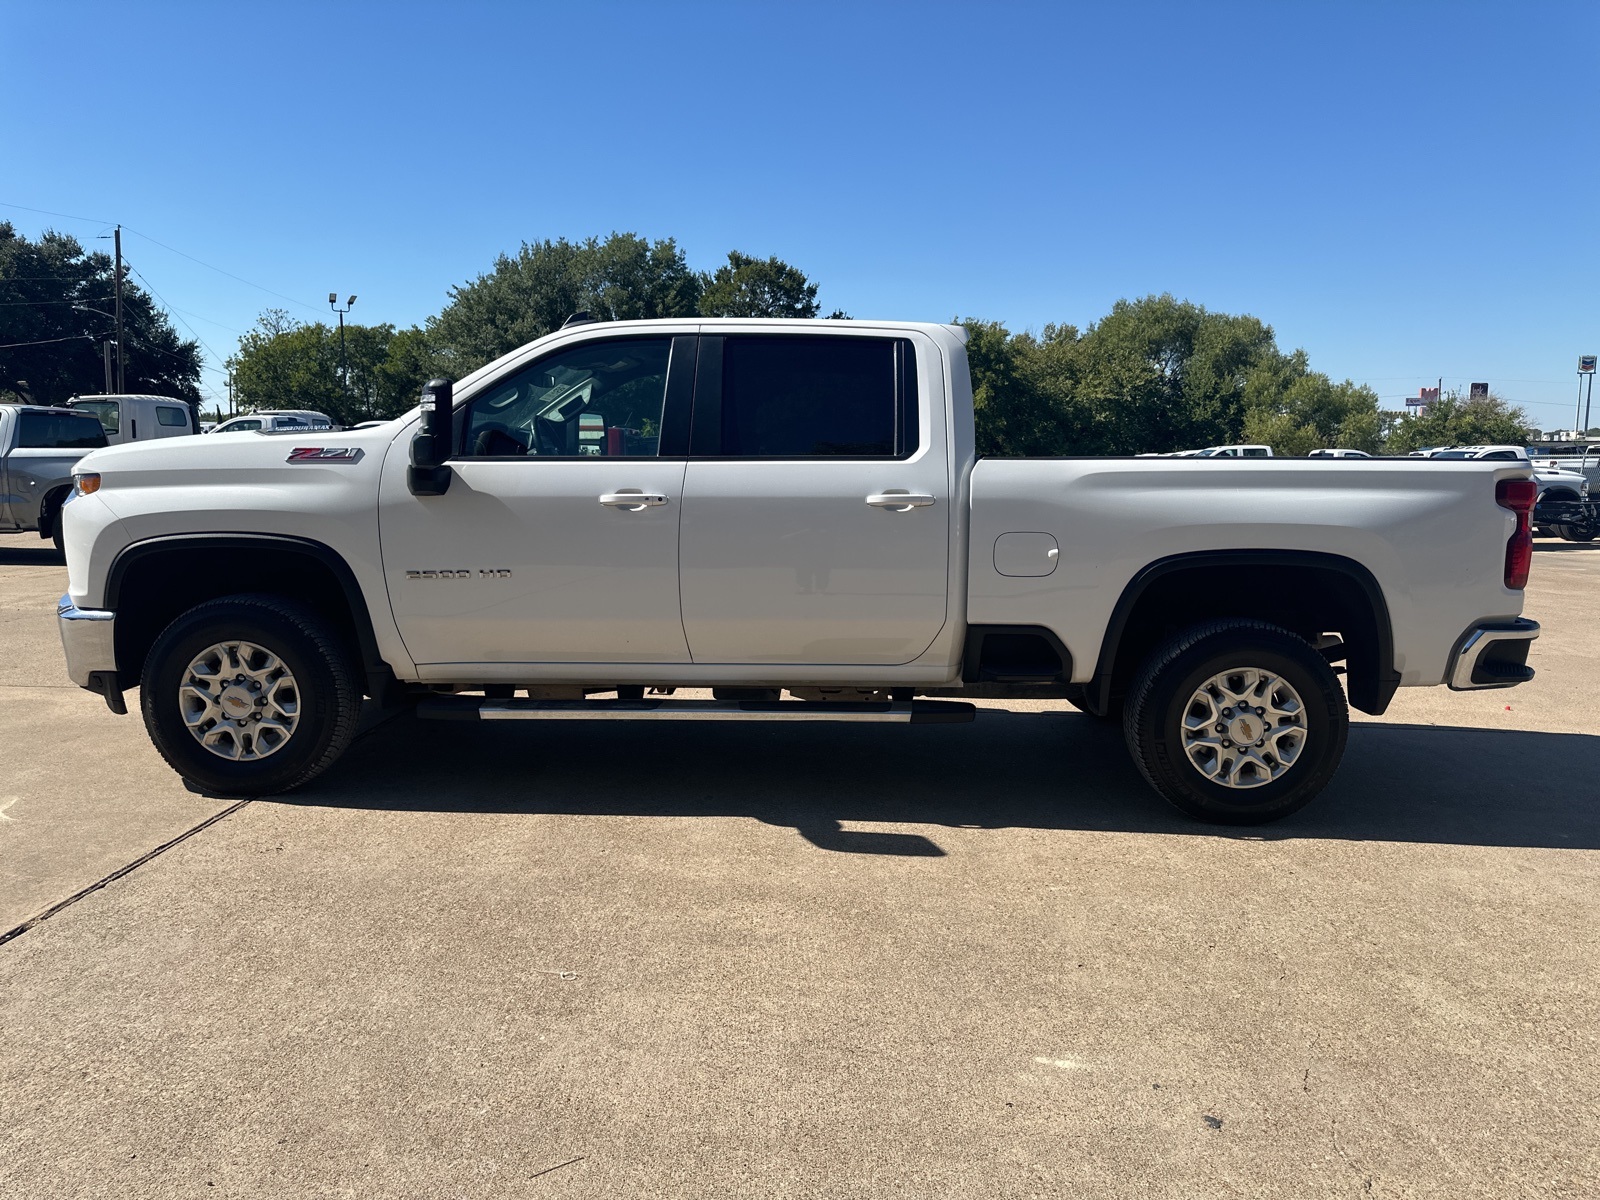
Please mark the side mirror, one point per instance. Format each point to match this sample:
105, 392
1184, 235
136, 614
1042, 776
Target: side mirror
428, 474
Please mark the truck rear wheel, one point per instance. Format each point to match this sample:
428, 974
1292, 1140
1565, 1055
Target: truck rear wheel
1237, 722
249, 695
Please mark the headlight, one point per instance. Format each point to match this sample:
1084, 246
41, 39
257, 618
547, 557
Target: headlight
85, 483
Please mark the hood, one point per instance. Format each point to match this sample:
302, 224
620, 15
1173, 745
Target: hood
225, 453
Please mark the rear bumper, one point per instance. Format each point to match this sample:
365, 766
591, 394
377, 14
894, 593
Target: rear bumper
1492, 654
88, 635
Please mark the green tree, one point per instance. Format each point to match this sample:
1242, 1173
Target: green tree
1457, 421
625, 277
1296, 410
55, 306
752, 287
282, 363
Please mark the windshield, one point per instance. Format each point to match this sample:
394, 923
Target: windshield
109, 412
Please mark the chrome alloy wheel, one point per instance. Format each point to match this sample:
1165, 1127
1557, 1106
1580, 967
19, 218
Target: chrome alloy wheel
239, 701
1244, 727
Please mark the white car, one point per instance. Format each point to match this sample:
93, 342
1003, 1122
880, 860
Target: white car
276, 421
1327, 453
1234, 452
770, 507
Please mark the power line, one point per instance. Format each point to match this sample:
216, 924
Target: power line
48, 213
87, 337
172, 249
220, 271
42, 303
162, 301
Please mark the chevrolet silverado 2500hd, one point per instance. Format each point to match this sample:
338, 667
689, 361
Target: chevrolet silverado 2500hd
771, 507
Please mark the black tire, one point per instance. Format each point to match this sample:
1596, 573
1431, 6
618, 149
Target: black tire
58, 536
1575, 533
1174, 673
327, 695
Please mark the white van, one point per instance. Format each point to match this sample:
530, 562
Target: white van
276, 419
1235, 452
138, 418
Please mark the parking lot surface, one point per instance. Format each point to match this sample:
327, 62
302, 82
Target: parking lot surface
698, 960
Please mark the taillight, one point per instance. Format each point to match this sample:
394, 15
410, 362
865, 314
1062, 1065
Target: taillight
1518, 495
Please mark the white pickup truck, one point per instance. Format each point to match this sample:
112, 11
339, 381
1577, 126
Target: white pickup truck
768, 507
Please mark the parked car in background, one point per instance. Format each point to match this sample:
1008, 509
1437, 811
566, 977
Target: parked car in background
136, 418
1235, 452
276, 420
1586, 463
1555, 483
38, 449
1329, 453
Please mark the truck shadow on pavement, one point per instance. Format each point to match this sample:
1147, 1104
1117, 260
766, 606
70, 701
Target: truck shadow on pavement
1409, 783
43, 555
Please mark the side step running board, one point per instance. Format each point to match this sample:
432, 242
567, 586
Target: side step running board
905, 712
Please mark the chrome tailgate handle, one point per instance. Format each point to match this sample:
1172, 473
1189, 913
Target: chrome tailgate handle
900, 501
632, 499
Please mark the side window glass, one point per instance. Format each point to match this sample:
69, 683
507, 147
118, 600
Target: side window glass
816, 397
109, 412
1256, 452
595, 400
1502, 454
173, 418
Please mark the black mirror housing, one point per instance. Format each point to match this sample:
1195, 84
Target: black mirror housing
429, 475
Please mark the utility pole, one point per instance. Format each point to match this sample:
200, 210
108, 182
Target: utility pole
122, 373
106, 347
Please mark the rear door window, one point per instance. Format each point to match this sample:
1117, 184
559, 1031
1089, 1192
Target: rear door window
63, 430
172, 418
811, 397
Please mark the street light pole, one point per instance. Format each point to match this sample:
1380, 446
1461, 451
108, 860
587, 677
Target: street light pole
344, 369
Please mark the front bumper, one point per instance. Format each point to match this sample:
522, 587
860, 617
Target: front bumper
1492, 654
88, 635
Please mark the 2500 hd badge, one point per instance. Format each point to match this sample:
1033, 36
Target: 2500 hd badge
481, 573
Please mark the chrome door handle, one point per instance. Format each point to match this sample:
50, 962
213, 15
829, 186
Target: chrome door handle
900, 501
632, 499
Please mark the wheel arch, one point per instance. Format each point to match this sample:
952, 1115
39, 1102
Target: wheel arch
1308, 592
50, 509
152, 581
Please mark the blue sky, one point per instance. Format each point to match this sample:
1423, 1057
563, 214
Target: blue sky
1407, 191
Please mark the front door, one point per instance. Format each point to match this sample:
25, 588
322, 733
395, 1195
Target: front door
816, 511
557, 541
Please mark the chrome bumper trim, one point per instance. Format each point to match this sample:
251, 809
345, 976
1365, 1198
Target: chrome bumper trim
88, 635
1467, 670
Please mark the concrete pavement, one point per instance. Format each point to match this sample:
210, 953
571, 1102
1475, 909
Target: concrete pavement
708, 961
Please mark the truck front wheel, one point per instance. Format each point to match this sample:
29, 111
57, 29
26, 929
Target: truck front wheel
249, 695
1237, 722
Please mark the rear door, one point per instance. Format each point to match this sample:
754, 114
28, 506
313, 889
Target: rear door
816, 509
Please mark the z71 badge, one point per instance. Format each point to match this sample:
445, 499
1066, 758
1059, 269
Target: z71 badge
324, 454
480, 573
